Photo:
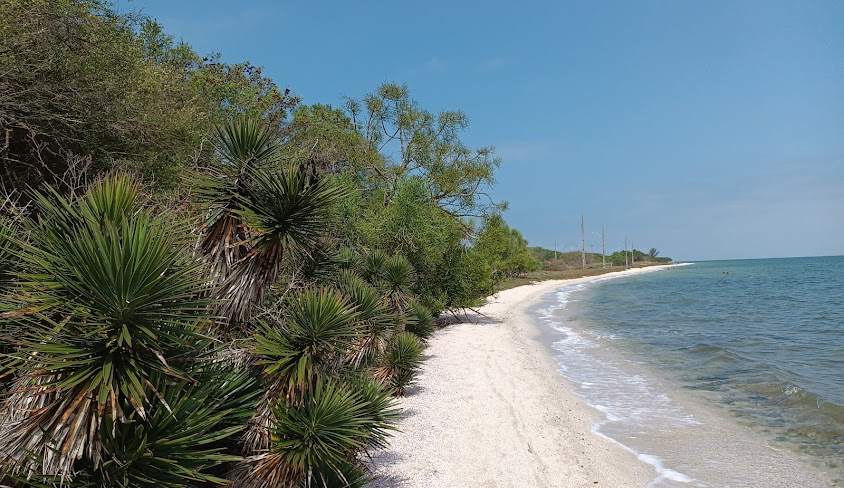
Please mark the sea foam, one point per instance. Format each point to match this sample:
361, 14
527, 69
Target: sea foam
630, 405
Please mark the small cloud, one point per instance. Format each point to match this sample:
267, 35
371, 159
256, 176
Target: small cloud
492, 64
435, 64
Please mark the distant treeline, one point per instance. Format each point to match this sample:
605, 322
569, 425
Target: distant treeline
205, 281
557, 261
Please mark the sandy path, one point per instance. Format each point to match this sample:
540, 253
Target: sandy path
490, 410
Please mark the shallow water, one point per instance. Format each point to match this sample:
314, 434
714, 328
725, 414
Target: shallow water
725, 373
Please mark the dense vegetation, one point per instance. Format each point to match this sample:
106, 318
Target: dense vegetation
559, 261
205, 282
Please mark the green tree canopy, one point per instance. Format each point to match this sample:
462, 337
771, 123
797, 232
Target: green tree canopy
429, 146
84, 88
504, 248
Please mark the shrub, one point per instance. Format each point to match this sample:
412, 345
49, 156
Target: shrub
319, 441
419, 320
401, 362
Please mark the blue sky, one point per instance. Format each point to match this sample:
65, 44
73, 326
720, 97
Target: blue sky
709, 129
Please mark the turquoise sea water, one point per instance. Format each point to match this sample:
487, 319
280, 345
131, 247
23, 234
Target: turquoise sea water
756, 342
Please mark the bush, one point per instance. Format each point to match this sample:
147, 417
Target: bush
401, 362
105, 319
318, 442
419, 320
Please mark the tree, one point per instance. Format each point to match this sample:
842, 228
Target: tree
327, 138
261, 210
504, 248
429, 147
241, 89
433, 241
653, 253
80, 80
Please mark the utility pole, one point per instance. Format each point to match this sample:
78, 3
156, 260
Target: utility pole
632, 253
555, 250
582, 242
625, 253
603, 249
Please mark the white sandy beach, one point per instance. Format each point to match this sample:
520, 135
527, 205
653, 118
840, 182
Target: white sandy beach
491, 410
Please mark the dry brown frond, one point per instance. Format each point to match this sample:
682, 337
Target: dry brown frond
249, 280
44, 430
256, 439
265, 471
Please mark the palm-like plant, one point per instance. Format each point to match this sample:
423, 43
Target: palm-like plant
319, 326
189, 425
260, 209
7, 250
401, 362
397, 277
8, 262
317, 442
372, 266
282, 209
419, 320
182, 440
347, 259
379, 321
380, 407
107, 301
242, 145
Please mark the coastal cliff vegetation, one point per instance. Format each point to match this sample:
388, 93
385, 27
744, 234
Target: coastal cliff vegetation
205, 281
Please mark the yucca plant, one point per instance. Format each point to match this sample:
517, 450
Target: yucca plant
420, 322
280, 209
311, 265
190, 425
397, 278
379, 321
400, 363
317, 328
242, 144
347, 259
380, 407
372, 266
8, 263
7, 250
260, 209
318, 442
107, 301
183, 442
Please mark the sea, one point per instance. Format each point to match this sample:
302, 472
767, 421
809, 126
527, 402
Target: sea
717, 373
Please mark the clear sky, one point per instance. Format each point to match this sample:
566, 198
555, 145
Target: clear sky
708, 129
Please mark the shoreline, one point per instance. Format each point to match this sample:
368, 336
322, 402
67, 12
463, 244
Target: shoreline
689, 436
491, 409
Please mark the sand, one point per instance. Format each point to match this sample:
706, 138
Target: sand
491, 410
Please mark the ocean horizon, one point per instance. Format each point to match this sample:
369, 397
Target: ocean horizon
718, 373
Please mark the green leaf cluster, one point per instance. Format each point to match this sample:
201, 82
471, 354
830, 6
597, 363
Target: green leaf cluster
103, 328
85, 88
504, 248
